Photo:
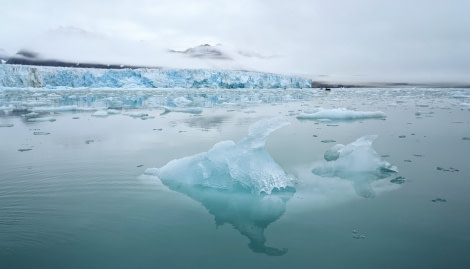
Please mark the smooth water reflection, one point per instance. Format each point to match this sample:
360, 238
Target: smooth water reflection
75, 198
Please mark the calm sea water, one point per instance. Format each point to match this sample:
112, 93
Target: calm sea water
73, 193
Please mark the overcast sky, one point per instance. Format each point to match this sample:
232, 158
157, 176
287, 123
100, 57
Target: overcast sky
370, 39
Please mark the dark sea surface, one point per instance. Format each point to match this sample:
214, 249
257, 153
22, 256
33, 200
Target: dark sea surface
77, 189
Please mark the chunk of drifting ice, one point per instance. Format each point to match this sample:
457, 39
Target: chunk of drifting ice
228, 181
245, 166
41, 119
190, 110
100, 113
41, 133
341, 114
357, 162
181, 101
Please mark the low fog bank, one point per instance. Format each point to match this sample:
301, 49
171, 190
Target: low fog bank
70, 46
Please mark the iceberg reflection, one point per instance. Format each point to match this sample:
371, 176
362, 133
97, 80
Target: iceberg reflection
238, 183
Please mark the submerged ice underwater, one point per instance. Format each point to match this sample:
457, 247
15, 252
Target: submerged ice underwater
313, 178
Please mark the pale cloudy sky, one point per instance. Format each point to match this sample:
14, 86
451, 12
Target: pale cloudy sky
389, 40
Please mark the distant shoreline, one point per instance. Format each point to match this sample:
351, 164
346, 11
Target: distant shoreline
330, 85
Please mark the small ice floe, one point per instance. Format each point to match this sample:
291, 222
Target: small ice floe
140, 115
31, 115
55, 109
181, 101
6, 124
341, 114
100, 113
41, 119
357, 235
41, 133
190, 110
450, 169
398, 180
356, 162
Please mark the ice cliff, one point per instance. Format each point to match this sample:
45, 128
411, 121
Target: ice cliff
22, 76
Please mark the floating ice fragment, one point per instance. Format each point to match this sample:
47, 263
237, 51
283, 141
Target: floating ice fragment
54, 108
190, 110
229, 166
239, 183
398, 180
450, 169
357, 235
342, 114
41, 133
357, 162
100, 113
41, 119
181, 101
31, 115
138, 115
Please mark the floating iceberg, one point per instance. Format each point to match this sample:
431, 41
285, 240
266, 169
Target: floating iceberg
341, 114
238, 183
21, 76
357, 162
245, 166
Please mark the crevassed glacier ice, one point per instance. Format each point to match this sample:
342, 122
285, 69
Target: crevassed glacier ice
341, 114
245, 166
357, 162
238, 183
21, 76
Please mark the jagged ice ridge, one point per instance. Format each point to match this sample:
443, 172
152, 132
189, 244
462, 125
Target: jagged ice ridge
21, 76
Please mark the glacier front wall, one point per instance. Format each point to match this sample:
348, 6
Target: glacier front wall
23, 76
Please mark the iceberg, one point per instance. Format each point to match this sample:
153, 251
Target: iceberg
357, 162
339, 114
245, 166
23, 76
238, 183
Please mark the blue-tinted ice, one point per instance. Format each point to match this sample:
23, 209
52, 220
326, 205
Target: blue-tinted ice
239, 183
357, 162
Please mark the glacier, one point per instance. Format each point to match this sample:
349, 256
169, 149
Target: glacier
357, 162
238, 183
24, 76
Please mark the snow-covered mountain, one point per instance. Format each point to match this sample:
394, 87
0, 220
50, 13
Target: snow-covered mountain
23, 76
74, 47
